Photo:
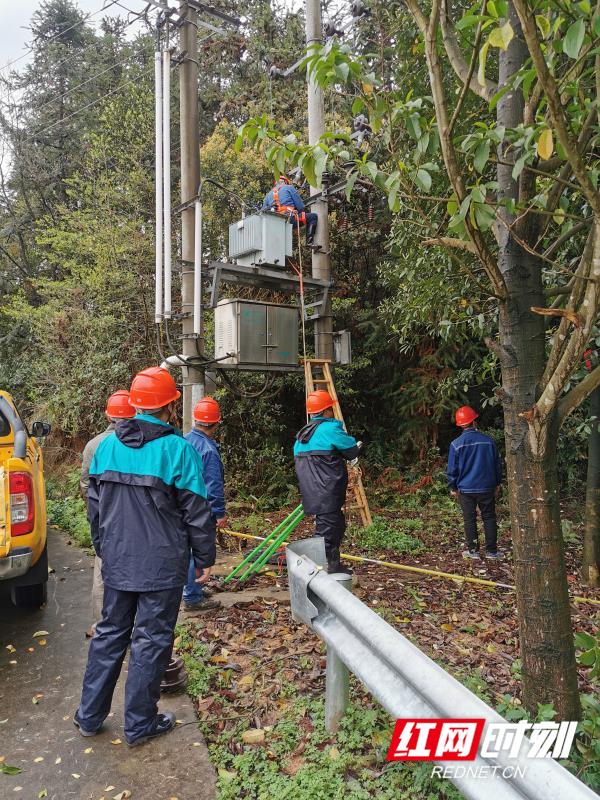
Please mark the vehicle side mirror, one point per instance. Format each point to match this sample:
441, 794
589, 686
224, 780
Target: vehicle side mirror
40, 429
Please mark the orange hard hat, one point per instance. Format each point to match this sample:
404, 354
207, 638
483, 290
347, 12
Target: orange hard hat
318, 401
153, 388
118, 405
465, 415
283, 178
207, 411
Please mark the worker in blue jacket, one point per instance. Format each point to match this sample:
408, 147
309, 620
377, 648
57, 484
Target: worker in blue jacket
284, 198
321, 451
147, 508
474, 477
207, 418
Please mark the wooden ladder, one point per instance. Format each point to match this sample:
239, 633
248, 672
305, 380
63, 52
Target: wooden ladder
317, 375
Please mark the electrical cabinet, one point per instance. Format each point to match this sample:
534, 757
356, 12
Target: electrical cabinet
261, 239
256, 335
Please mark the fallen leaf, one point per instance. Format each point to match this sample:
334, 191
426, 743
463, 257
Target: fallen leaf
109, 789
13, 662
58, 760
42, 642
122, 795
226, 775
253, 736
197, 744
115, 741
11, 649
43, 793
66, 718
3, 722
75, 775
88, 750
38, 759
31, 649
40, 633
39, 695
35, 701
6, 769
18, 789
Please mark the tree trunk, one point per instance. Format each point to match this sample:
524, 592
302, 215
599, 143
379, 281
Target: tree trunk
591, 538
546, 639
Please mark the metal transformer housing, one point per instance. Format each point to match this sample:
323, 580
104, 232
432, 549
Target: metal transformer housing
261, 239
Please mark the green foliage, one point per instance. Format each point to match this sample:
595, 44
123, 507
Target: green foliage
384, 534
588, 654
66, 508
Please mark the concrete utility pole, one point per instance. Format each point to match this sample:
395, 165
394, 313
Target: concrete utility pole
193, 378
321, 262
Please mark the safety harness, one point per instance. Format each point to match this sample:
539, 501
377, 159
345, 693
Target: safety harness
295, 215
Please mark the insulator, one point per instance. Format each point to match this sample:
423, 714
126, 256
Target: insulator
358, 9
329, 30
370, 213
343, 224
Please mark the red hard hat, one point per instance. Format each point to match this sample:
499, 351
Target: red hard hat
153, 388
465, 415
207, 411
318, 401
283, 178
118, 405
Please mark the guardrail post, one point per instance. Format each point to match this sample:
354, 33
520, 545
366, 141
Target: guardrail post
337, 677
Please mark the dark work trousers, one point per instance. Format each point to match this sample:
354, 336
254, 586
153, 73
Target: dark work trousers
331, 527
147, 619
486, 501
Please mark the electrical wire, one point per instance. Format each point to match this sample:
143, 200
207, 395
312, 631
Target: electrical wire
62, 33
434, 573
88, 105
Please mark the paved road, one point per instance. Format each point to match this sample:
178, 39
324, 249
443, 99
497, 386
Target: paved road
39, 693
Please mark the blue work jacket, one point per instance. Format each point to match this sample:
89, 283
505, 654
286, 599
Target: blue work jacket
474, 464
212, 468
147, 507
288, 196
321, 450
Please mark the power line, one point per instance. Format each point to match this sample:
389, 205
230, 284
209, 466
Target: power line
62, 33
88, 105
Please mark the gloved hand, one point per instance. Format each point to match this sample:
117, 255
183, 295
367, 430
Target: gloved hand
354, 461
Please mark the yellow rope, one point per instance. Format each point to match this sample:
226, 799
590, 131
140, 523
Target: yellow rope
421, 570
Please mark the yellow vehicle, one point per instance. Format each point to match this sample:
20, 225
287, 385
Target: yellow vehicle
23, 550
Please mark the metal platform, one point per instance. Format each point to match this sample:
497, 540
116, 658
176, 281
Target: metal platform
264, 278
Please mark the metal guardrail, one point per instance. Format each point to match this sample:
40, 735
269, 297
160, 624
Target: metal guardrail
406, 682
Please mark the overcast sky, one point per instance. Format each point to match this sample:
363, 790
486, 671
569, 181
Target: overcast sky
15, 16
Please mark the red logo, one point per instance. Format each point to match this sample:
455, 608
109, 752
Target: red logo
435, 739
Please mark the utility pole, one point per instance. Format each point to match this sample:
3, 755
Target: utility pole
321, 262
193, 378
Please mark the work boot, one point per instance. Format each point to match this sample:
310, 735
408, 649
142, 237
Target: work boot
334, 564
201, 605
311, 229
163, 724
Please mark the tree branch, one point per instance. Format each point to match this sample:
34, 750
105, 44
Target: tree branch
577, 342
457, 62
555, 108
428, 29
467, 81
578, 394
448, 241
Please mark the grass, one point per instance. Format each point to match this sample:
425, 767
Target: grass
66, 508
386, 534
299, 759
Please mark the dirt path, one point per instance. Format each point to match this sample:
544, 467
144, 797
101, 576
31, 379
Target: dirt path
40, 684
